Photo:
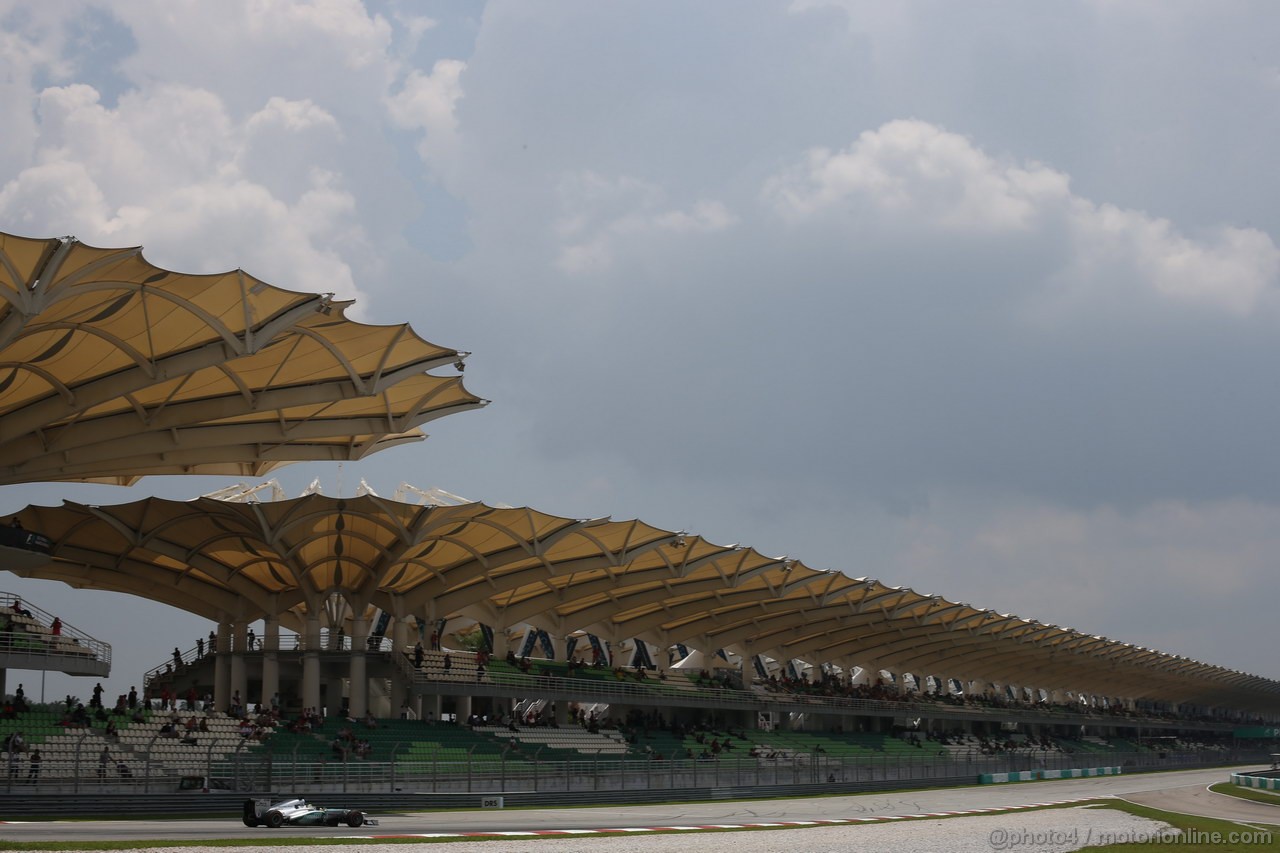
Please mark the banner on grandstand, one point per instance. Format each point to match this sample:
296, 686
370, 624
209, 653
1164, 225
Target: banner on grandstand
1257, 733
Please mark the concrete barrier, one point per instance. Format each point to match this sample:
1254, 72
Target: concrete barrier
1246, 780
1031, 775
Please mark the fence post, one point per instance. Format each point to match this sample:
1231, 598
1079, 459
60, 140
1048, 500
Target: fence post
536, 761
146, 765
79, 744
394, 749
236, 761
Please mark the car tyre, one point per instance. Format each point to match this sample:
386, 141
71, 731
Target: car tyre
251, 821
355, 819
275, 819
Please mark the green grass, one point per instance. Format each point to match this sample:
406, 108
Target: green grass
1198, 833
1258, 795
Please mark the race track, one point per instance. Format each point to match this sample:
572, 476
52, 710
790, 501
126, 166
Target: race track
1180, 791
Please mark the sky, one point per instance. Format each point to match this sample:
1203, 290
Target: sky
977, 299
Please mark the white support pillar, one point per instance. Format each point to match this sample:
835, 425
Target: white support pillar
222, 668
500, 643
359, 698
311, 662
270, 660
400, 637
239, 678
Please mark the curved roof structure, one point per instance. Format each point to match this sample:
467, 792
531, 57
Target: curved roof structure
617, 579
112, 368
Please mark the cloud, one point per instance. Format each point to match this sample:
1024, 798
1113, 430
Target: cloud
427, 102
918, 173
166, 169
910, 174
602, 216
1144, 577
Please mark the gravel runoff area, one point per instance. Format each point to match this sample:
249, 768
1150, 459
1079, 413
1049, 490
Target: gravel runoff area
1047, 830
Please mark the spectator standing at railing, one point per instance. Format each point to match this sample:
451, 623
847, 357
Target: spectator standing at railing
55, 628
213, 643
199, 647
251, 640
133, 698
418, 655
177, 658
33, 766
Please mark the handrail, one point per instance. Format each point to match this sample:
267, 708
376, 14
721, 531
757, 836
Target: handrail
745, 699
286, 643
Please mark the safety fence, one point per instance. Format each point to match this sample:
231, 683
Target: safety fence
266, 771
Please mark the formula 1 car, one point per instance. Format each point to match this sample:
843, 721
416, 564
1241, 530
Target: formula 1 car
299, 812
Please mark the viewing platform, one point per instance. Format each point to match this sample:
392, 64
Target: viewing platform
33, 639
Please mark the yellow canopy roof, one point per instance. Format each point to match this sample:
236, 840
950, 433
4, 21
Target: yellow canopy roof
112, 368
618, 579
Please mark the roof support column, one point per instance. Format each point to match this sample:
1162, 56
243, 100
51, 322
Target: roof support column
239, 679
746, 666
270, 662
222, 667
399, 636
500, 643
359, 698
399, 645
311, 662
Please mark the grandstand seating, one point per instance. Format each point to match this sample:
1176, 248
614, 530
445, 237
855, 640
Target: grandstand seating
59, 746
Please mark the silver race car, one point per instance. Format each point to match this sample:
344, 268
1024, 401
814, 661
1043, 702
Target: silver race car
299, 812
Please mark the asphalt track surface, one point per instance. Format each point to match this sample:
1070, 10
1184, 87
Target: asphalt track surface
1182, 791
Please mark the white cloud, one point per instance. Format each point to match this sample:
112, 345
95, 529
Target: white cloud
290, 115
1099, 570
427, 102
164, 169
914, 171
911, 176
601, 216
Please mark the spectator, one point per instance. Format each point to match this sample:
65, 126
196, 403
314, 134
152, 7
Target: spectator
418, 655
33, 766
56, 627
251, 640
104, 761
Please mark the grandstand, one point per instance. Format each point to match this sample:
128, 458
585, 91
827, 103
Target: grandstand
377, 639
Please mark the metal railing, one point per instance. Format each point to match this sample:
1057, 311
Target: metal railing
69, 650
262, 770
